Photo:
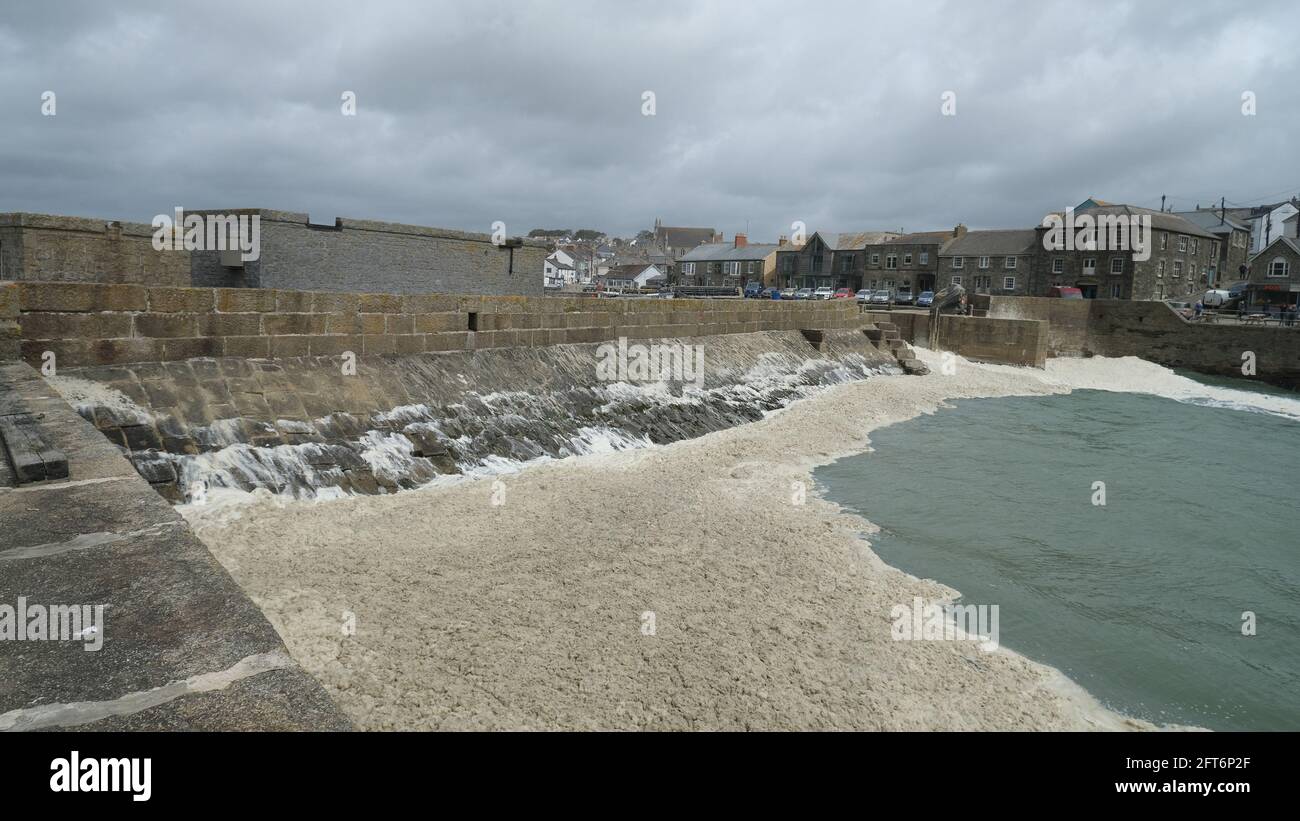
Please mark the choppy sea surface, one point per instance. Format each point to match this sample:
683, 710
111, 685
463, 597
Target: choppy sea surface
1177, 600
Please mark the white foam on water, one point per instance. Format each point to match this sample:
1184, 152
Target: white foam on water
85, 394
1129, 374
602, 439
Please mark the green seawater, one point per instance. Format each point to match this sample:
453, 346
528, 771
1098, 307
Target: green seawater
1142, 600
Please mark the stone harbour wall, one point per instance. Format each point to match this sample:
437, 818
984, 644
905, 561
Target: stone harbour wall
1153, 331
86, 324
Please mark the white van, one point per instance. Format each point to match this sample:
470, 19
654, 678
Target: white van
1215, 298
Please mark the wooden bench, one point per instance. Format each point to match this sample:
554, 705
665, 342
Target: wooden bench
32, 457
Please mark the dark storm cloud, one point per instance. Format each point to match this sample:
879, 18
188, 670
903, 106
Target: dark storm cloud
531, 113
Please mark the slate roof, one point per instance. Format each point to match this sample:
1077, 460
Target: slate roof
1209, 220
728, 252
683, 237
1160, 220
921, 238
853, 241
1000, 242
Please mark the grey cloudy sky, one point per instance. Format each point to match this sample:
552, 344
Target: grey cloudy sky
766, 113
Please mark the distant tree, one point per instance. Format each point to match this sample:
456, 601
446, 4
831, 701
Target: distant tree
645, 236
588, 234
549, 232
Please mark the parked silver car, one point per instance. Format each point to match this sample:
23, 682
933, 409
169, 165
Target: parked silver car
804, 293
882, 297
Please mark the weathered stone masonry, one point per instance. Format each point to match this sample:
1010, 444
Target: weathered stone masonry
366, 255
346, 255
89, 324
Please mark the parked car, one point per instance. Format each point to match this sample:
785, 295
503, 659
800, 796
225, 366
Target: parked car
804, 293
843, 293
863, 296
903, 297
882, 297
770, 293
753, 290
925, 299
788, 293
1064, 292
823, 293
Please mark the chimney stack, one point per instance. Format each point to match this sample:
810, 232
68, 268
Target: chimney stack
781, 240
741, 241
959, 231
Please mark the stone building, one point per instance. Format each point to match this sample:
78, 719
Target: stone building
728, 264
989, 262
828, 260
907, 260
1275, 276
1232, 263
1180, 261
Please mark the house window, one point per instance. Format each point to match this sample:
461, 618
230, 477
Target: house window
1058, 265
956, 280
875, 259
1116, 291
1279, 267
749, 267
1178, 269
1214, 249
984, 282
817, 264
846, 264
1008, 283
1194, 246
984, 263
907, 258
891, 262
1164, 240
1010, 264
688, 268
925, 257
1089, 266
958, 263
1160, 269
1182, 245
1117, 265
889, 283
788, 262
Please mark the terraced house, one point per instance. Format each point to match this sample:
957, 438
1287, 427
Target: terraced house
989, 262
828, 260
906, 260
729, 264
1182, 255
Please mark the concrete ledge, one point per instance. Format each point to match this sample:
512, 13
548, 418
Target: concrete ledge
174, 623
